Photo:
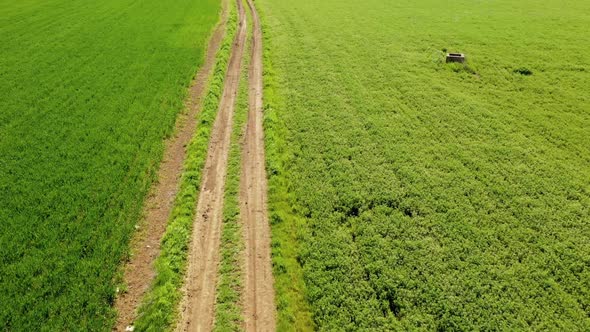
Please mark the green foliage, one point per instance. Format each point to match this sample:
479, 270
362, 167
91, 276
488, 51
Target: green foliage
159, 307
88, 92
408, 195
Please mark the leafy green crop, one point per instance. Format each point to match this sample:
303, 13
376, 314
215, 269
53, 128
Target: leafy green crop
411, 194
88, 92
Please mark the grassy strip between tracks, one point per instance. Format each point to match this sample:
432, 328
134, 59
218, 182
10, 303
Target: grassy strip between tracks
293, 313
228, 309
159, 307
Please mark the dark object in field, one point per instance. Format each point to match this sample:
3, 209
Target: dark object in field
523, 71
455, 57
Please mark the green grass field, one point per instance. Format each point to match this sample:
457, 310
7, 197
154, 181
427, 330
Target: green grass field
408, 194
88, 91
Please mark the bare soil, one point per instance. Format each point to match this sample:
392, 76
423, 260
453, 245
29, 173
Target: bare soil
198, 306
139, 271
258, 297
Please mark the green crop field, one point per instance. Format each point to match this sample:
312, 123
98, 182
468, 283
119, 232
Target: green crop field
88, 91
410, 194
404, 193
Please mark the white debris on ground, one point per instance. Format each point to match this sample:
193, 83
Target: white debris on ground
130, 328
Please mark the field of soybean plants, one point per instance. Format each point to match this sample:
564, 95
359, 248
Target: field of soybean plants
406, 193
88, 92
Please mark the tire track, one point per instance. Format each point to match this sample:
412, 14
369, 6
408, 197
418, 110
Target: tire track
139, 271
197, 312
259, 307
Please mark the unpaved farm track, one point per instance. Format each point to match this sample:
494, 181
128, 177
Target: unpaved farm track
197, 308
258, 297
139, 271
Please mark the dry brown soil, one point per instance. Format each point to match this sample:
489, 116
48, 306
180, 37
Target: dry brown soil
258, 296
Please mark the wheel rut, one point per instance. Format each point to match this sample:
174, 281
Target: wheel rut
258, 293
198, 306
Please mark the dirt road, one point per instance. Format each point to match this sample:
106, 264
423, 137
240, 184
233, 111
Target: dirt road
258, 297
197, 309
139, 272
